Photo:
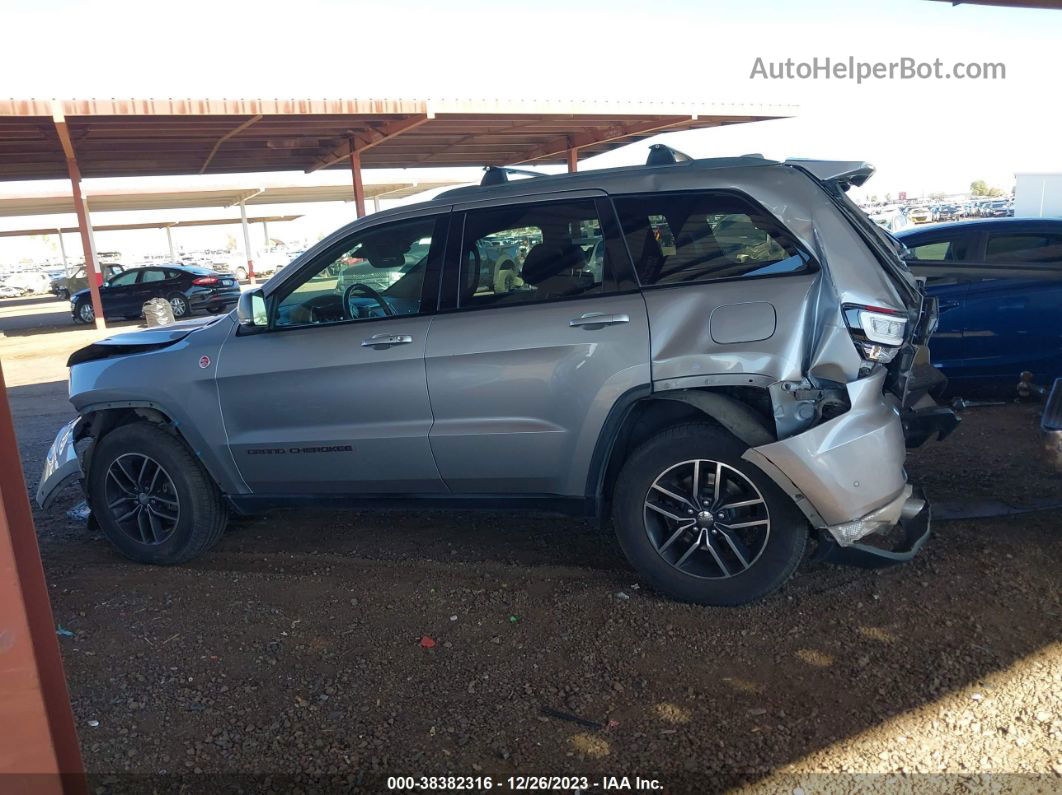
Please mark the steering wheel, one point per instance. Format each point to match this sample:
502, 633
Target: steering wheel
368, 292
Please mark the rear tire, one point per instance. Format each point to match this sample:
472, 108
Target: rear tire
179, 305
178, 518
710, 562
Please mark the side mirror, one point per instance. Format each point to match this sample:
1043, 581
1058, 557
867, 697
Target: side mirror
251, 309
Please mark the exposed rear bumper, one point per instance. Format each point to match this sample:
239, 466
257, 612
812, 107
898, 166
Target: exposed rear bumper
920, 425
847, 467
1051, 426
914, 520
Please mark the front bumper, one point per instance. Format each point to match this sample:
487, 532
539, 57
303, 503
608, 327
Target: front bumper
61, 465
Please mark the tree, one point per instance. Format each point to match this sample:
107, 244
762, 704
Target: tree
994, 192
978, 188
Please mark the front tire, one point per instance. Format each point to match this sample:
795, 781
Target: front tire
152, 498
703, 525
85, 312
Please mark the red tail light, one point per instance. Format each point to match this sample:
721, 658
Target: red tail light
205, 280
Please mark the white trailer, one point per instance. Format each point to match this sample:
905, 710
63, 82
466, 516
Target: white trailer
1038, 194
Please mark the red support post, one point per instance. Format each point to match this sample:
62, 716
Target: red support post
38, 742
92, 272
359, 188
573, 160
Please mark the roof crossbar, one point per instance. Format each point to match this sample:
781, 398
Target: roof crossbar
499, 175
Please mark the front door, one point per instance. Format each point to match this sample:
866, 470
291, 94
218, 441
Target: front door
522, 374
332, 398
119, 295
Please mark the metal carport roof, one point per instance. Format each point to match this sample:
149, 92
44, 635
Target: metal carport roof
174, 198
137, 137
53, 230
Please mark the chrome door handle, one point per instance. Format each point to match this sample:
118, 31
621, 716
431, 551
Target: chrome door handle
383, 340
598, 319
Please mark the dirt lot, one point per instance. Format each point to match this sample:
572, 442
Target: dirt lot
294, 648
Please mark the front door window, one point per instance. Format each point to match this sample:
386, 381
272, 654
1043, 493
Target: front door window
377, 273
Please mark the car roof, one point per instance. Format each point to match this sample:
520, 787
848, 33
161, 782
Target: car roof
597, 178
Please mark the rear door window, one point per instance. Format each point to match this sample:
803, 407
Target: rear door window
696, 237
536, 252
152, 275
1019, 248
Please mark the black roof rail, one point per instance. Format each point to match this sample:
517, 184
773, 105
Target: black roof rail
663, 155
499, 175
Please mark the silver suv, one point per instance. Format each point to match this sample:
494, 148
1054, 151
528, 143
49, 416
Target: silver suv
720, 355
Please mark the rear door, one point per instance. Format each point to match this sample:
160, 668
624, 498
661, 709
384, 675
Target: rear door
155, 283
1016, 324
522, 373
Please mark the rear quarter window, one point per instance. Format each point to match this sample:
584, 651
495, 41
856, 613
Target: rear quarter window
705, 236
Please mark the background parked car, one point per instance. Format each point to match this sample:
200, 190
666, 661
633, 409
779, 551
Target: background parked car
29, 281
999, 283
920, 215
64, 287
360, 271
186, 288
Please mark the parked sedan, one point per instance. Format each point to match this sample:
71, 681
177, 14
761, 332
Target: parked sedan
186, 288
999, 284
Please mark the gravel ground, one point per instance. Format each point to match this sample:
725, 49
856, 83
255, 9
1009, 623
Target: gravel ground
293, 654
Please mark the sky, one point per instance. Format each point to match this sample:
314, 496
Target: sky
922, 135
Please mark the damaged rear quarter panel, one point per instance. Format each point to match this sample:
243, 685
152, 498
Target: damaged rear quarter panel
810, 337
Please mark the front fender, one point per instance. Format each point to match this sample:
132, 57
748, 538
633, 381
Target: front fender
179, 381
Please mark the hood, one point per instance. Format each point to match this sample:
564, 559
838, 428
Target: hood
140, 340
